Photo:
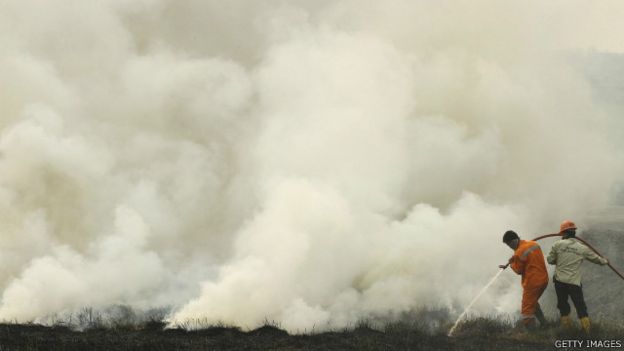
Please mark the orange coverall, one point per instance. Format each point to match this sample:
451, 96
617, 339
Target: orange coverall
528, 261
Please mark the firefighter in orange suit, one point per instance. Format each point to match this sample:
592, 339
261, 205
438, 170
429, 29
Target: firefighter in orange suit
528, 261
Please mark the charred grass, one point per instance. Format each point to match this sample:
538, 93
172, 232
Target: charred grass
475, 334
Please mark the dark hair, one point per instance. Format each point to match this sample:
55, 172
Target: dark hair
569, 233
509, 236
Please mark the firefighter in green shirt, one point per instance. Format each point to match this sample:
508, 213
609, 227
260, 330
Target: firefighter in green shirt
568, 254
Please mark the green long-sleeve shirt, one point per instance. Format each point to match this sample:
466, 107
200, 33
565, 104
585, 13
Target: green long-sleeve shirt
568, 254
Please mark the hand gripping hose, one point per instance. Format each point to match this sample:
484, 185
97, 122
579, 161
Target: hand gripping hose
584, 242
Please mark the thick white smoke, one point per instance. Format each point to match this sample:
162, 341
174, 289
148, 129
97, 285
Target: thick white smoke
313, 163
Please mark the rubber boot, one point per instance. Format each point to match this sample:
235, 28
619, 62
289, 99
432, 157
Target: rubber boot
566, 322
540, 317
586, 325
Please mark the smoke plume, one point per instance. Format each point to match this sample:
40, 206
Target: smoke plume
314, 163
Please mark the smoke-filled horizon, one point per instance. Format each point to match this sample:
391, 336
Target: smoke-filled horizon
313, 163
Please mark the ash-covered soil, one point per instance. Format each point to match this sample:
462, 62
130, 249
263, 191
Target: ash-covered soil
479, 334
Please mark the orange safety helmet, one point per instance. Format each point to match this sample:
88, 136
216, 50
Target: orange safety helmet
565, 225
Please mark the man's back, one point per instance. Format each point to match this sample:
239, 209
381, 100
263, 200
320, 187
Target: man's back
528, 260
568, 255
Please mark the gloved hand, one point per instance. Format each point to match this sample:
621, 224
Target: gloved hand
503, 266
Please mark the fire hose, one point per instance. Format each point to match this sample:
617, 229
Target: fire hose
584, 242
503, 267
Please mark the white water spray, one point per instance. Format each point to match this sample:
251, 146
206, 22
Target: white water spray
450, 333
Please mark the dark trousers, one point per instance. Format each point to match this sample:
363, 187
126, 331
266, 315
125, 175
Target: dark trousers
575, 292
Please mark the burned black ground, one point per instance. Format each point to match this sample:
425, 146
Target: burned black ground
476, 334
